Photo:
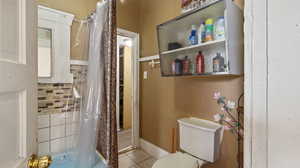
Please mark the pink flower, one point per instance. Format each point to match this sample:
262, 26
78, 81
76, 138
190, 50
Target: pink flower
227, 128
231, 104
223, 109
227, 119
217, 117
217, 95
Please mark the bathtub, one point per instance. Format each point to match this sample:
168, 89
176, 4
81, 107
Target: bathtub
67, 160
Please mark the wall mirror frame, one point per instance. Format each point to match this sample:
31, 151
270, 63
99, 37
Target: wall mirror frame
59, 24
45, 52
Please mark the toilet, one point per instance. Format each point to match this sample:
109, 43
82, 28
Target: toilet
199, 142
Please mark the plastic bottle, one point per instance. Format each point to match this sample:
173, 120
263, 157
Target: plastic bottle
220, 29
192, 67
200, 66
186, 65
219, 63
178, 67
174, 67
193, 39
201, 33
209, 29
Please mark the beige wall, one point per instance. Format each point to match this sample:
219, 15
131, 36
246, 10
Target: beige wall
128, 14
127, 18
164, 100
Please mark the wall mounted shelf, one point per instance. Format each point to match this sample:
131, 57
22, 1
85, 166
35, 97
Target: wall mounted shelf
178, 30
198, 46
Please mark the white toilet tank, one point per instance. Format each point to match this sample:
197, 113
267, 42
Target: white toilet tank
200, 138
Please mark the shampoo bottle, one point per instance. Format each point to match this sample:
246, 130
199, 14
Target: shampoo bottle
193, 39
201, 33
200, 67
186, 65
220, 29
209, 29
219, 63
178, 66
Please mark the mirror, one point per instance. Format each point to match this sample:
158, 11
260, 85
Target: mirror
44, 53
54, 46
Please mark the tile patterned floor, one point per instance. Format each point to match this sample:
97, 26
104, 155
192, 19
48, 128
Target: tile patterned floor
136, 159
124, 139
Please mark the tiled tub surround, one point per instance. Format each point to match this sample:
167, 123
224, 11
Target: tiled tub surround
57, 132
59, 113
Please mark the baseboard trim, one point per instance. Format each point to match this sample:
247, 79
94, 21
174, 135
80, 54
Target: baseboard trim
152, 149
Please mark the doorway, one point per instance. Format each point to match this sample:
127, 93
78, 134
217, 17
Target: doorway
127, 90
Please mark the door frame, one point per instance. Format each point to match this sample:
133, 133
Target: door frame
256, 84
135, 84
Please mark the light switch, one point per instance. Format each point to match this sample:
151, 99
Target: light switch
145, 74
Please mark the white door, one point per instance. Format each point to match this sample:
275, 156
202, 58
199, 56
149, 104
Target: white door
283, 84
272, 84
18, 82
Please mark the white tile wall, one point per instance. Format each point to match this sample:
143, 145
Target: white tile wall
71, 141
58, 145
72, 117
44, 135
58, 119
57, 132
44, 148
43, 121
72, 129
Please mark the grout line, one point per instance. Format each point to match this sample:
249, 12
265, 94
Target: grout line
138, 163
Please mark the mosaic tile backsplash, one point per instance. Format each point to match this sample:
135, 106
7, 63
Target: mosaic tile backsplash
55, 98
59, 97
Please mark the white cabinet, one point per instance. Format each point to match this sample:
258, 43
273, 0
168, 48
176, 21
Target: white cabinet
176, 33
54, 29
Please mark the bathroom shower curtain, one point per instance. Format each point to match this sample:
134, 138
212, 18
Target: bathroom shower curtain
98, 128
107, 125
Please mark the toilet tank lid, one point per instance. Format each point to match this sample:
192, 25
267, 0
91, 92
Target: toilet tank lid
200, 124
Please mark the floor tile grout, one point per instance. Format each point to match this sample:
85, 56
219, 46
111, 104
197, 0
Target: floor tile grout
140, 163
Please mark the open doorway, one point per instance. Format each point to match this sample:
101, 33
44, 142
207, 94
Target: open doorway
127, 113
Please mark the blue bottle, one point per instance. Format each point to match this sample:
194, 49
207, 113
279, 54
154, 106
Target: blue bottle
193, 39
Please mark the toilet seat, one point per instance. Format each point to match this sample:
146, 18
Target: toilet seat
178, 160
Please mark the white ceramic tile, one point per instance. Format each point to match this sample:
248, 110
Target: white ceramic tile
72, 129
138, 156
58, 119
58, 145
43, 121
71, 141
147, 163
126, 162
72, 117
58, 132
43, 135
44, 148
